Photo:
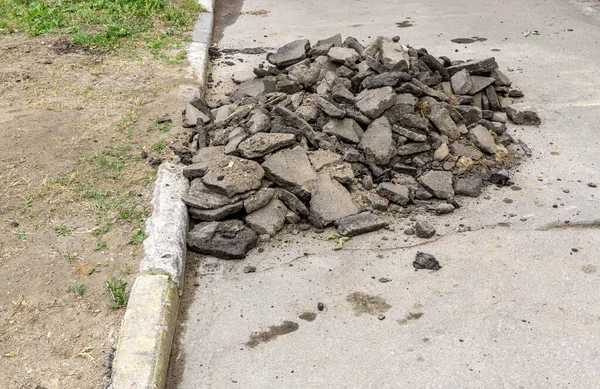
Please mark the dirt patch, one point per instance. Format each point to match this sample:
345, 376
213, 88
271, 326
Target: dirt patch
74, 193
308, 316
410, 316
272, 333
365, 303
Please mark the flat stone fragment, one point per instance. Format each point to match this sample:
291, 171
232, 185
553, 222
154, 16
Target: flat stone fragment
290, 53
436, 94
483, 139
377, 142
331, 109
305, 73
250, 88
468, 186
292, 202
199, 196
233, 175
441, 209
385, 79
412, 120
345, 129
206, 157
341, 94
294, 120
192, 115
229, 239
259, 122
341, 172
268, 219
426, 261
373, 102
360, 224
261, 144
243, 76
410, 134
330, 201
371, 201
209, 215
292, 170
412, 148
441, 152
461, 82
470, 114
235, 138
321, 158
398, 194
480, 83
343, 55
443, 121
439, 183
424, 230
522, 114
483, 66
501, 78
392, 54
463, 150
258, 199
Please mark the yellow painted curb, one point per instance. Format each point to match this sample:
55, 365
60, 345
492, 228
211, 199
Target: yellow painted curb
142, 356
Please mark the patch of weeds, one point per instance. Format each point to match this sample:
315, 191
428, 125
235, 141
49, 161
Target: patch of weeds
100, 246
128, 122
63, 230
133, 214
117, 290
20, 234
69, 256
92, 271
108, 161
99, 231
28, 202
138, 237
76, 289
164, 127
158, 146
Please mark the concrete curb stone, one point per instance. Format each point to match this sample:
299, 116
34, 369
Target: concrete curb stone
144, 345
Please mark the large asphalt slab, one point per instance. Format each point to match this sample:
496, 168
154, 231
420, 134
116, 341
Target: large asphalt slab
516, 303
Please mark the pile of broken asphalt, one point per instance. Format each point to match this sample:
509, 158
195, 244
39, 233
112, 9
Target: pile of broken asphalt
339, 134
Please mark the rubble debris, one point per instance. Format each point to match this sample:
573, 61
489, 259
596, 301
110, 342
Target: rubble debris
424, 230
337, 133
426, 261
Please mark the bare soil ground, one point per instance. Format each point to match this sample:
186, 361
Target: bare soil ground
74, 193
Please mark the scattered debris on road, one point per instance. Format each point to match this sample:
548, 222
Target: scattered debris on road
426, 261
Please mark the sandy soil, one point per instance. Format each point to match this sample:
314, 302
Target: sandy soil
73, 125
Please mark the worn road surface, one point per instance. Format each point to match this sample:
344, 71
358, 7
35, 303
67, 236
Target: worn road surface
515, 304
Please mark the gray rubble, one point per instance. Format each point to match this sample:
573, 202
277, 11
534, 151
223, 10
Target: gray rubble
335, 133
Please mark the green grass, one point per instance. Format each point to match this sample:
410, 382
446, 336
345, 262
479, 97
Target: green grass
63, 230
158, 146
117, 291
76, 289
20, 234
164, 127
101, 246
157, 25
138, 237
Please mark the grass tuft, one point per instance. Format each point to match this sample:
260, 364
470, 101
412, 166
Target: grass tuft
117, 290
76, 289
